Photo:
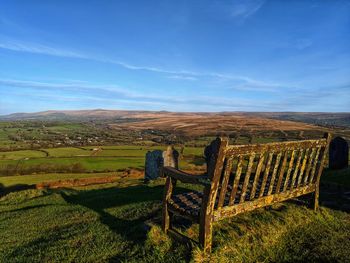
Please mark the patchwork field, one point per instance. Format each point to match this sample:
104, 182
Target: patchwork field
85, 159
107, 127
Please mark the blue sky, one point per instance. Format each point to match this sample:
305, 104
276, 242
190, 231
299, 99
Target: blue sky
200, 55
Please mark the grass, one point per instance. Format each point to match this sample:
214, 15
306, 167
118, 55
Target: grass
106, 223
287, 233
21, 154
67, 152
92, 164
67, 127
8, 181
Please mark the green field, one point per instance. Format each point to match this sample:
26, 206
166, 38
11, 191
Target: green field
21, 154
108, 223
109, 158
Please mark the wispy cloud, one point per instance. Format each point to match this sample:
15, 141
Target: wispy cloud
182, 77
239, 82
245, 8
303, 43
116, 96
73, 86
330, 97
294, 43
110, 93
38, 49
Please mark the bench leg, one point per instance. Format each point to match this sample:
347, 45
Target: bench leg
166, 219
169, 185
205, 235
315, 199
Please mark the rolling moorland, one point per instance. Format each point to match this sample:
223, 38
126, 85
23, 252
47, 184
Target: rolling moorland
118, 221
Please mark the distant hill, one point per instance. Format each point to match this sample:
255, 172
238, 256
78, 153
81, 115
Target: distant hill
341, 119
322, 119
70, 114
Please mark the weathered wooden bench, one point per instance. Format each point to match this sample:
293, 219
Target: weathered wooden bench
241, 178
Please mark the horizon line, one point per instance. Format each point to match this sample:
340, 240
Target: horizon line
169, 111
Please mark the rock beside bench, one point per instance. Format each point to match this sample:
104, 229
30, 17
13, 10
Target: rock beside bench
157, 159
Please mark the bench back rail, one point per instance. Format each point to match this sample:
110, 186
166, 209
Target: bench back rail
247, 173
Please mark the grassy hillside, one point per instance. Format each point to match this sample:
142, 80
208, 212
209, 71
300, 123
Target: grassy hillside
106, 223
12, 181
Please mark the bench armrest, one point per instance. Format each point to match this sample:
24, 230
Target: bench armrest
185, 177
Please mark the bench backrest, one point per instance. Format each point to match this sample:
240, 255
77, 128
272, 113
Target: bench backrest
241, 173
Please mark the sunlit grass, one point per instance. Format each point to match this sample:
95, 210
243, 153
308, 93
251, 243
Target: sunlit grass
106, 223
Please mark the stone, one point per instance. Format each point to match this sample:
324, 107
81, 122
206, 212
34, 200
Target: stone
153, 164
338, 153
157, 159
171, 157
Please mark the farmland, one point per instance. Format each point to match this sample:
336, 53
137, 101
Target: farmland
92, 159
101, 127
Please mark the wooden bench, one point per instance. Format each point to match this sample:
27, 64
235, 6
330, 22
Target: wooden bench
241, 178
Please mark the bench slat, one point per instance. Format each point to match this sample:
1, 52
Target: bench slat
290, 167
266, 174
275, 168
236, 180
225, 180
297, 167
303, 166
315, 161
281, 173
309, 166
247, 176
257, 175
321, 164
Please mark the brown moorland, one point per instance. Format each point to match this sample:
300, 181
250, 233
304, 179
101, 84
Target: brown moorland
197, 124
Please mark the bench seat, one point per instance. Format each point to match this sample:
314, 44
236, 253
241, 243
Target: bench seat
189, 203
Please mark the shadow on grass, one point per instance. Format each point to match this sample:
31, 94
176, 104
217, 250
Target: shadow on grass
123, 210
197, 160
62, 238
14, 188
30, 207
